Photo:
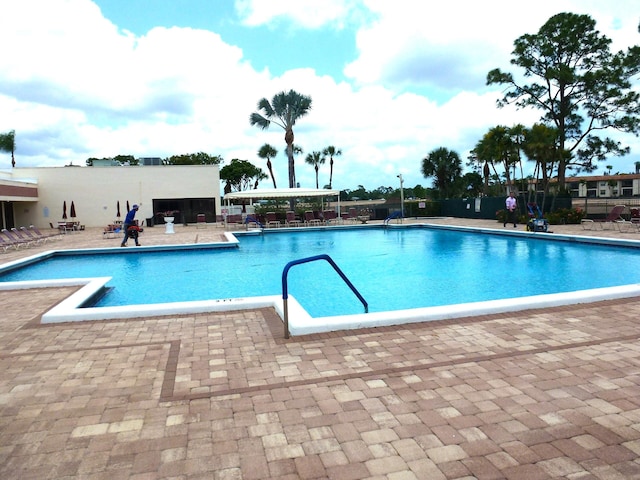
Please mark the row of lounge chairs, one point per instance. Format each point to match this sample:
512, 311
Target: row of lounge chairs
24, 237
615, 220
309, 218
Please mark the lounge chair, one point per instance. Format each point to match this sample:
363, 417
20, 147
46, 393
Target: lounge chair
613, 217
45, 238
634, 222
109, 232
5, 244
25, 232
330, 216
235, 219
272, 220
292, 220
310, 219
353, 215
23, 237
14, 240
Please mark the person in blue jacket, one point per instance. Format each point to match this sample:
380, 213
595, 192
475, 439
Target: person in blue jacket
128, 221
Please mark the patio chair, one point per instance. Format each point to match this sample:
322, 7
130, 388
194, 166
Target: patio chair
234, 220
612, 218
330, 216
272, 220
310, 219
292, 220
62, 228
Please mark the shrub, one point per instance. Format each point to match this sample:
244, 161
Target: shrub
501, 216
569, 216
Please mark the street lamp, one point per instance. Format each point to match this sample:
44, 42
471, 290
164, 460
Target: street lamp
401, 196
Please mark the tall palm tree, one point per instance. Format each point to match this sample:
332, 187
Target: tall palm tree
315, 159
446, 167
8, 144
331, 151
498, 146
284, 110
268, 152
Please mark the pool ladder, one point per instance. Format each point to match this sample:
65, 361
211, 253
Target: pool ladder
285, 292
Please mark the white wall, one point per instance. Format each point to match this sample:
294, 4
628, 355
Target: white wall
95, 191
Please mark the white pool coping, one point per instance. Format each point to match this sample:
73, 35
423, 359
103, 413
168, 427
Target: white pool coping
300, 322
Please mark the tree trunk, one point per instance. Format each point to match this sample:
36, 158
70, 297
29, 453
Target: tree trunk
331, 173
269, 166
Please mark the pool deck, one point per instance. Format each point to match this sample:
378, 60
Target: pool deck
540, 394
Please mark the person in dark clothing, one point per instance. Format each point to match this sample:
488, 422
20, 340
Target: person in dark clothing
134, 232
129, 221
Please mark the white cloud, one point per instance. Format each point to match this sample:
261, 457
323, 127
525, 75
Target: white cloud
297, 13
75, 86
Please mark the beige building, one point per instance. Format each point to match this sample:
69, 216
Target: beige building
604, 186
37, 195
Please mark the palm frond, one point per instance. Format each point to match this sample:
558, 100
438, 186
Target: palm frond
258, 120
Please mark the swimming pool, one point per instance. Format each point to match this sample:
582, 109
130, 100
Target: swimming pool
396, 269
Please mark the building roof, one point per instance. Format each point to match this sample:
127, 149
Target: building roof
281, 193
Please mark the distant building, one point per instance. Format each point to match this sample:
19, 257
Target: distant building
37, 195
602, 186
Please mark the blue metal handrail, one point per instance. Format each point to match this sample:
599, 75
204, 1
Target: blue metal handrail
392, 216
285, 290
253, 219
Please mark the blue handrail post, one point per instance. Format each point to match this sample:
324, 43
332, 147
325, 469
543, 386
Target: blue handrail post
251, 218
285, 291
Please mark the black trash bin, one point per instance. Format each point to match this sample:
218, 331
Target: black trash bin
149, 222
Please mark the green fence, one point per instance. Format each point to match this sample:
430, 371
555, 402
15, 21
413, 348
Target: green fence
486, 207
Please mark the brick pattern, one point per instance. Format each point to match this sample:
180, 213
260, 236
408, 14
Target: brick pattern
543, 394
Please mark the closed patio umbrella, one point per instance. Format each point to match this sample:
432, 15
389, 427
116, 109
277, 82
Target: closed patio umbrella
64, 210
73, 210
118, 209
128, 206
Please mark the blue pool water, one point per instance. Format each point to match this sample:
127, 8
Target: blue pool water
394, 269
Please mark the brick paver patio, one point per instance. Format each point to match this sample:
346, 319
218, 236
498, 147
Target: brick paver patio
542, 394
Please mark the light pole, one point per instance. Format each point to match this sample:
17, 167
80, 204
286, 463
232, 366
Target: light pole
401, 196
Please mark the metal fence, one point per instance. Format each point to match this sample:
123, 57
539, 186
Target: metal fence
600, 207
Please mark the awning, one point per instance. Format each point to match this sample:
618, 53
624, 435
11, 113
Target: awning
281, 193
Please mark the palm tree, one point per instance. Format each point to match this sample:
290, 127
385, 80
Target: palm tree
284, 110
446, 167
541, 146
331, 151
8, 144
498, 146
268, 152
315, 159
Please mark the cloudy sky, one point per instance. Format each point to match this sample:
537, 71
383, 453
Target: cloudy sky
390, 80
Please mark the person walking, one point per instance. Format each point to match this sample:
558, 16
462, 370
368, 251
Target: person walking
128, 221
511, 204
